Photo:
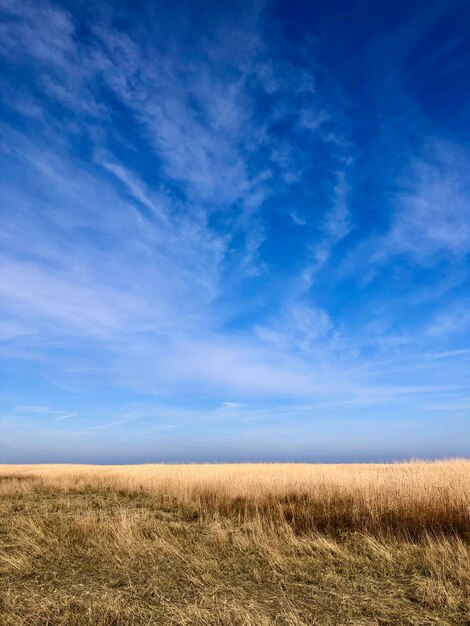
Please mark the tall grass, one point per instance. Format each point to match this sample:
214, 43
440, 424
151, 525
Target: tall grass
235, 545
408, 498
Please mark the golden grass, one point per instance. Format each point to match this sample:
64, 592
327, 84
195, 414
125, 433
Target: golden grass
250, 544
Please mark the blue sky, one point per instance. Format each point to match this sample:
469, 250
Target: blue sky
234, 231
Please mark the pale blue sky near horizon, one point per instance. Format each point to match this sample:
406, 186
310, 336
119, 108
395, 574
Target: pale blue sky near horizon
234, 232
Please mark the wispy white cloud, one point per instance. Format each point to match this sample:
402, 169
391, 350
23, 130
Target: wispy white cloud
26, 408
449, 354
12, 330
58, 415
116, 423
337, 223
452, 320
433, 217
133, 185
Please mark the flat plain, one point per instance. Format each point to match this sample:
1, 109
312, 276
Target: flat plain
235, 544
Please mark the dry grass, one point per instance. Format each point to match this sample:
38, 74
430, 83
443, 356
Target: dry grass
224, 545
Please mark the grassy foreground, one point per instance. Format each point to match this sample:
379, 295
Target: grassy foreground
233, 545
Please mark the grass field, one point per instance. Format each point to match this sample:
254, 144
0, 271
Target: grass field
253, 545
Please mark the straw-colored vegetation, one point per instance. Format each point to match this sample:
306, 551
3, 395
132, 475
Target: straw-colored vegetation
237, 545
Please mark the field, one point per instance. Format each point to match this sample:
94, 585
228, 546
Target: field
235, 545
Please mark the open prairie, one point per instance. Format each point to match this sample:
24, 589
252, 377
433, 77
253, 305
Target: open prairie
248, 544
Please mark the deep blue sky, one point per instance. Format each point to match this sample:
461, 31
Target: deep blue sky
234, 231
